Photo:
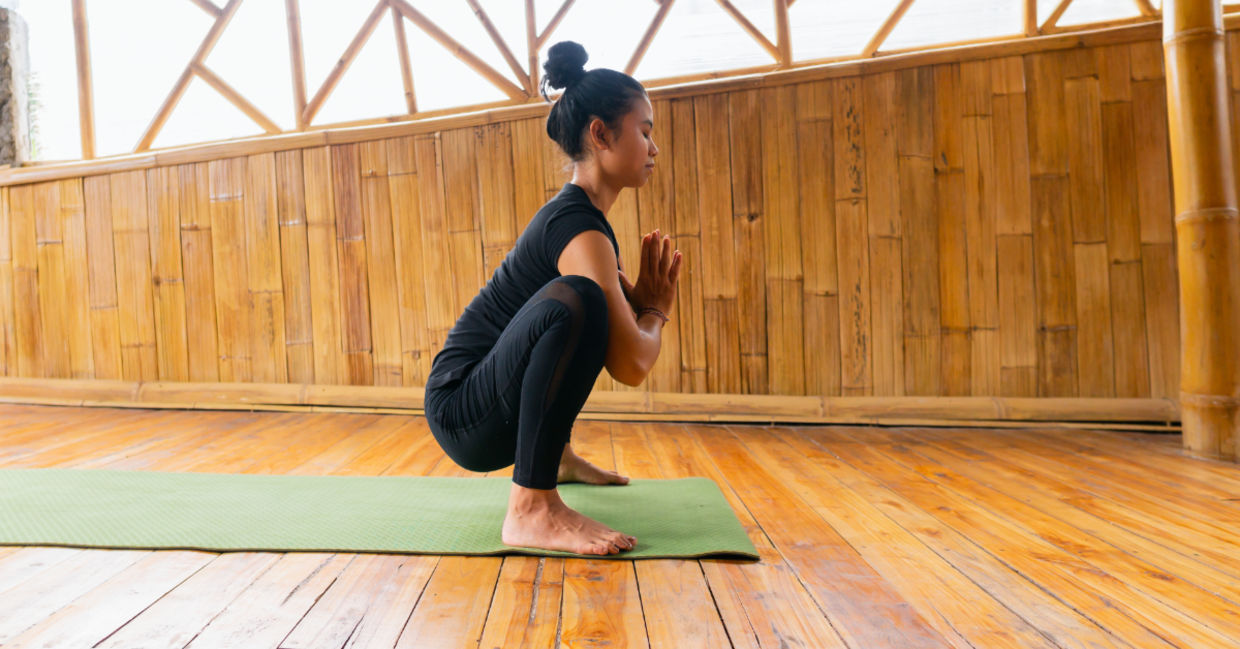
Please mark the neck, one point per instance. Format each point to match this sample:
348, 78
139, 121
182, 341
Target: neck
601, 193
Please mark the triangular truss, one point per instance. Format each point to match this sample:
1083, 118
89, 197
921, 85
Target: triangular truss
521, 85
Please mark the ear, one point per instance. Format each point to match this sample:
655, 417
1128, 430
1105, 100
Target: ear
600, 135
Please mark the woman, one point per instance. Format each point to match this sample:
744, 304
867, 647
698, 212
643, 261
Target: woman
520, 362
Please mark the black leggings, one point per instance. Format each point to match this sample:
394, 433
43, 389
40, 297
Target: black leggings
518, 404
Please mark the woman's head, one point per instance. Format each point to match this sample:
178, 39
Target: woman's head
599, 104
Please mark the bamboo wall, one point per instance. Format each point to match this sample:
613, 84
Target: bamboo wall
999, 226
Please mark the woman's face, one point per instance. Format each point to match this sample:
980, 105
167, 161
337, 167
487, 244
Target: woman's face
629, 158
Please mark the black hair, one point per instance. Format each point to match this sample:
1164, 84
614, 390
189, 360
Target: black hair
602, 93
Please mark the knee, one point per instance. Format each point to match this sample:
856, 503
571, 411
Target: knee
588, 294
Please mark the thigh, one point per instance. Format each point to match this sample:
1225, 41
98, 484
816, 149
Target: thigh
488, 396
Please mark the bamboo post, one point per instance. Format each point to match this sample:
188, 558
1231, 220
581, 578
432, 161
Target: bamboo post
209, 7
1207, 225
500, 44
653, 29
86, 97
1052, 19
531, 39
1146, 8
750, 29
297, 61
1031, 17
555, 22
883, 32
402, 53
783, 37
459, 51
350, 52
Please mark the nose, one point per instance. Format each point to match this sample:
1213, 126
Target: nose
654, 150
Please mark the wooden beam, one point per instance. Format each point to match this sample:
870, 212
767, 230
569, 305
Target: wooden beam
1031, 17
783, 36
406, 70
297, 61
750, 29
1207, 224
346, 59
883, 32
531, 41
208, 6
499, 42
235, 97
1052, 19
653, 29
1146, 8
555, 22
178, 89
86, 95
459, 50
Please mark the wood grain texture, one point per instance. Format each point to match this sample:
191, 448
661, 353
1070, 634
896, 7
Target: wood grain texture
890, 231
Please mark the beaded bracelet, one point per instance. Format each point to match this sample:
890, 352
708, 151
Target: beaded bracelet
649, 309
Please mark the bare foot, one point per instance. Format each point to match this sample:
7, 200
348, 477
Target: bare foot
539, 519
574, 468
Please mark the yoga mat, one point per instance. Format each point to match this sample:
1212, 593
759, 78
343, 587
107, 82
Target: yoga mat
426, 515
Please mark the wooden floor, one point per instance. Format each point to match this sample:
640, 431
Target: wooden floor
870, 538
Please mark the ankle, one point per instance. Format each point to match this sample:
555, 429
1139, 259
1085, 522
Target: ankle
524, 500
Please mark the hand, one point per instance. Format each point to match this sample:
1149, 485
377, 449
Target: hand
659, 272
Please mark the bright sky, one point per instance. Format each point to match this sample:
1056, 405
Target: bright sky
140, 47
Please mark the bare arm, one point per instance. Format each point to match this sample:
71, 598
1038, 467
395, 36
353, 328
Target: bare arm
633, 342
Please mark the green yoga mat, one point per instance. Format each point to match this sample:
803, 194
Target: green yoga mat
226, 512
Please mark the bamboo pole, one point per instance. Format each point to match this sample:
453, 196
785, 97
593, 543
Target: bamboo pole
885, 31
458, 50
555, 22
406, 70
86, 95
531, 40
297, 60
208, 6
751, 29
783, 36
1207, 225
499, 41
636, 405
1054, 17
1031, 17
345, 61
235, 97
653, 29
1146, 8
204, 48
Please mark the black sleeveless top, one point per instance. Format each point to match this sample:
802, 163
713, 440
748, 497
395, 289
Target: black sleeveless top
528, 267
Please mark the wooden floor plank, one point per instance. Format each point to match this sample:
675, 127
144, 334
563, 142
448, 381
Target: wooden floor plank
95, 615
676, 600
453, 606
601, 602
1130, 528
934, 489
178, 616
39, 597
869, 537
525, 611
762, 604
265, 612
860, 604
20, 563
337, 614
1176, 509
1058, 619
961, 611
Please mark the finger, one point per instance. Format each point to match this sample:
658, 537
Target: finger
665, 258
648, 256
673, 274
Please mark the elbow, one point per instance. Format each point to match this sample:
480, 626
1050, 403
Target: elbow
631, 373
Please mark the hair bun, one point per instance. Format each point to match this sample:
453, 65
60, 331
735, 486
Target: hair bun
565, 64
